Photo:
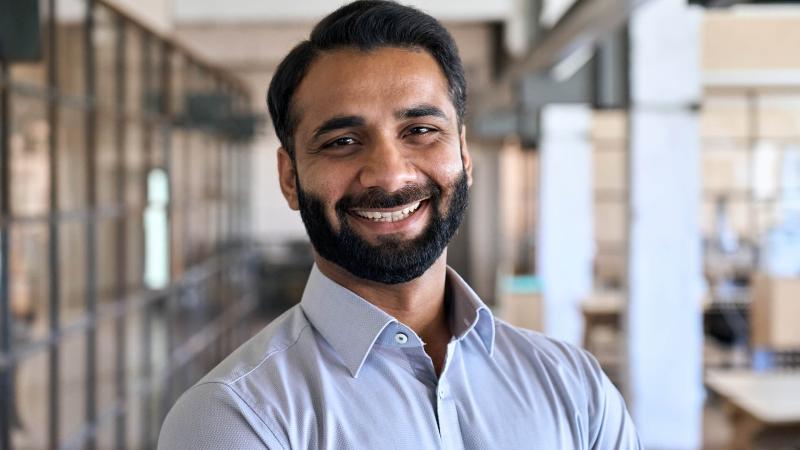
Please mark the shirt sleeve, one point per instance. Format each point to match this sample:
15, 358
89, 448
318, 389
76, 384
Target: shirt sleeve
212, 416
610, 427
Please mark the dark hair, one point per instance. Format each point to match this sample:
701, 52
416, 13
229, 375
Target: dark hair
365, 25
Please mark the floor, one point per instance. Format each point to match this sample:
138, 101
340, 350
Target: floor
716, 427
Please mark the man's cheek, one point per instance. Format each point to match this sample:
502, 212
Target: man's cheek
335, 218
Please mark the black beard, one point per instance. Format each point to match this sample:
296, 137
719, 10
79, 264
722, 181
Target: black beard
392, 260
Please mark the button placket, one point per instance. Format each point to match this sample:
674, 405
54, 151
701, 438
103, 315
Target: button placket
442, 391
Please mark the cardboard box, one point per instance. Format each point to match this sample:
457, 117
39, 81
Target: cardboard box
520, 302
775, 313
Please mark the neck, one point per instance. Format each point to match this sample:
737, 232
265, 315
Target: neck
419, 303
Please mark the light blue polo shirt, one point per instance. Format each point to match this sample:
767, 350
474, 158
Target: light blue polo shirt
336, 372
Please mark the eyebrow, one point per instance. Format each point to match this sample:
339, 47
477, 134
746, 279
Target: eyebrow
337, 123
420, 111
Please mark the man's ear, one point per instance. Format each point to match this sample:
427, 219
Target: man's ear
466, 159
287, 178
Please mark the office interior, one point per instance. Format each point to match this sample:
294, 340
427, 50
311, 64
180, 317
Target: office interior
636, 192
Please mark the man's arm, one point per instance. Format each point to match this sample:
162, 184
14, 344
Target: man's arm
610, 427
212, 416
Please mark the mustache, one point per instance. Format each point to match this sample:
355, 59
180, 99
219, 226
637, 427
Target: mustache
377, 198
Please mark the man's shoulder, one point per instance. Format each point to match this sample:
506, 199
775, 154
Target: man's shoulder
266, 347
217, 411
546, 352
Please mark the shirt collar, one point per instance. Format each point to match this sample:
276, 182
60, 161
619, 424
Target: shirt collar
469, 312
352, 325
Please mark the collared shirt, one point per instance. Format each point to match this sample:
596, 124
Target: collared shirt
336, 372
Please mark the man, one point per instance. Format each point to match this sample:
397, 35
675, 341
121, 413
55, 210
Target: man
389, 348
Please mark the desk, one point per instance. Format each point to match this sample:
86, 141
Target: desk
763, 407
604, 308
600, 309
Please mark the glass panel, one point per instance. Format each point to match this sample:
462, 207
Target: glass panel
72, 271
30, 406
105, 435
154, 87
133, 70
29, 283
178, 244
195, 208
70, 16
72, 161
136, 384
211, 193
72, 385
134, 165
178, 182
245, 173
159, 145
30, 163
107, 259
106, 368
107, 161
177, 87
224, 191
134, 233
105, 46
159, 330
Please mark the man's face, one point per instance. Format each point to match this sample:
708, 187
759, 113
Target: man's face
381, 170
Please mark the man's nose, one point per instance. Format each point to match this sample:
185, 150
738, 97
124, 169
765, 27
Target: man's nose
386, 166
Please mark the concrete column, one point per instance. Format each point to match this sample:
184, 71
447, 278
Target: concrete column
483, 214
565, 241
664, 316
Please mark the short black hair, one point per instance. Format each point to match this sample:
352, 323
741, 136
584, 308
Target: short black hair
364, 25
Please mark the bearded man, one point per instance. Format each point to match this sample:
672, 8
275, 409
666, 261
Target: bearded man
388, 348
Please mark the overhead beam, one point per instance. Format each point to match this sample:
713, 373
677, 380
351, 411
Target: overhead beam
602, 82
584, 24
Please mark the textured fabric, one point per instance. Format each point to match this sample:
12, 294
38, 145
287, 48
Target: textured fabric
336, 372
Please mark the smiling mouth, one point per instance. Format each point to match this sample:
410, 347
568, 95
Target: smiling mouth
396, 215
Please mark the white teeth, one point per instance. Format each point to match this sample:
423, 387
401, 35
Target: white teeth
389, 216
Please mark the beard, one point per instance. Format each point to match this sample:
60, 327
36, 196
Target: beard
392, 260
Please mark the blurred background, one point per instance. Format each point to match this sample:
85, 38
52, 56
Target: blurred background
637, 192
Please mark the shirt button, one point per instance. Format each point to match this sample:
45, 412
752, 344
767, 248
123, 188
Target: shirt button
400, 338
442, 392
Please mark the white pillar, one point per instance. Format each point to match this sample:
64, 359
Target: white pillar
483, 214
664, 316
565, 241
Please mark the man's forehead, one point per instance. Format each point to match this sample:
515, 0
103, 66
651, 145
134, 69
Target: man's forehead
353, 82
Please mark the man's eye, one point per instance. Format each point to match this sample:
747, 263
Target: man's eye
341, 142
421, 130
